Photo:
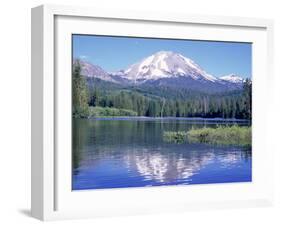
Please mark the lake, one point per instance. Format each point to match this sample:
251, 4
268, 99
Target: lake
130, 152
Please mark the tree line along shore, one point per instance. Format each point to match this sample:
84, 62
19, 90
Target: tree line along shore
95, 98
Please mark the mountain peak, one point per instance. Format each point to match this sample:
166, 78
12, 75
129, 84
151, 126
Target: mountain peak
165, 64
232, 78
163, 52
93, 71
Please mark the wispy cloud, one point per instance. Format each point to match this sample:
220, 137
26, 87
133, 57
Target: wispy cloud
83, 57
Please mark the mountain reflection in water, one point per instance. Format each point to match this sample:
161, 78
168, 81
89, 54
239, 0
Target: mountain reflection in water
133, 156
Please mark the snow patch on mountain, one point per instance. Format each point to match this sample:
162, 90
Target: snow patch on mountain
233, 78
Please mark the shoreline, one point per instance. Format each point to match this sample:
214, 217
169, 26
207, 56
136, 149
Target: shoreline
166, 118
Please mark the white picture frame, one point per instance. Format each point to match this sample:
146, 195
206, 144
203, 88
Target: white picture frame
52, 197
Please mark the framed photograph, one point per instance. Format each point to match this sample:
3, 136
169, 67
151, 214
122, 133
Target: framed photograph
138, 112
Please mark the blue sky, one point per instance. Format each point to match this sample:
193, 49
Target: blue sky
115, 53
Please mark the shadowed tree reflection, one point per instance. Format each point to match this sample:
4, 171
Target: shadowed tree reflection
125, 153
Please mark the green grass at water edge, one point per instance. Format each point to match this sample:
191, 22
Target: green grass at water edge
175, 137
222, 135
109, 112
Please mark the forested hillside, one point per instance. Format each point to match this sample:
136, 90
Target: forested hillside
91, 95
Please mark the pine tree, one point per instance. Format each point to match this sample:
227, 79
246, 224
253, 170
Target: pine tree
80, 95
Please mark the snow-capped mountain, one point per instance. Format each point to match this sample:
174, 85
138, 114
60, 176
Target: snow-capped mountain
165, 69
165, 64
233, 78
94, 71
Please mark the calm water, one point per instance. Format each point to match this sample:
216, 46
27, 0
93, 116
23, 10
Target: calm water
117, 153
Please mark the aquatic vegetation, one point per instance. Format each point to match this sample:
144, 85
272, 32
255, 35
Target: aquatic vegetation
175, 137
221, 135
